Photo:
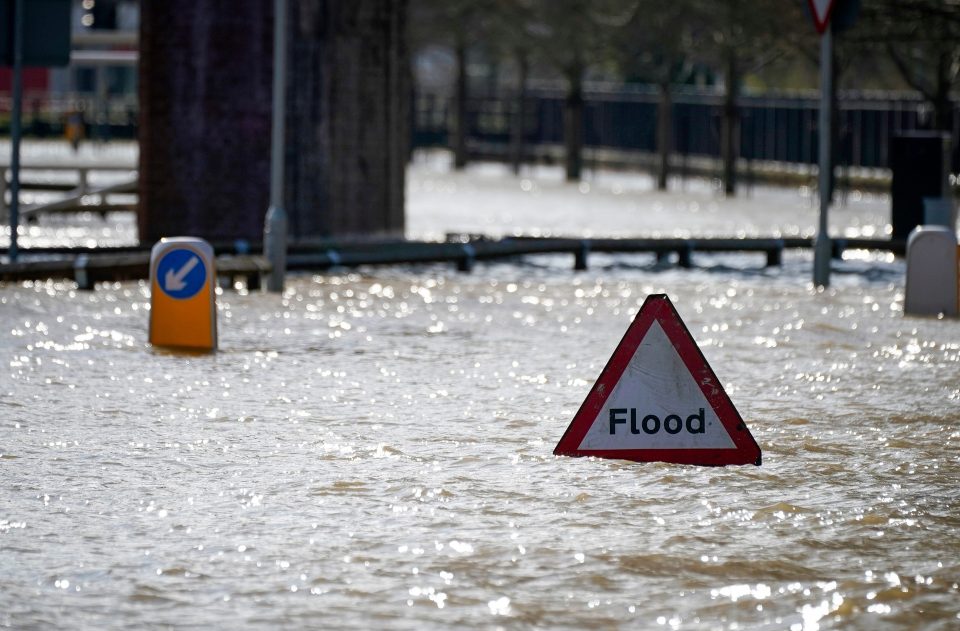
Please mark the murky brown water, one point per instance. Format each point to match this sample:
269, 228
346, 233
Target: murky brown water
374, 450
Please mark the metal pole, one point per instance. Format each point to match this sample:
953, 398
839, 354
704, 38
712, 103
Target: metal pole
101, 109
821, 248
15, 127
275, 226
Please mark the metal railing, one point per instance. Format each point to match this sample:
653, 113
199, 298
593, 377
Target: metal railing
773, 127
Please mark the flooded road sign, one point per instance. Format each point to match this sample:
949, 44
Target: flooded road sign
821, 10
657, 400
183, 309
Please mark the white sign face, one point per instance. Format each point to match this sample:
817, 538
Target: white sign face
656, 405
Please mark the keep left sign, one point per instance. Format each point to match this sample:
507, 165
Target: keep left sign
658, 400
183, 310
181, 273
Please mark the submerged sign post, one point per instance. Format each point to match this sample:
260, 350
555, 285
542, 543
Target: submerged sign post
183, 310
821, 10
658, 400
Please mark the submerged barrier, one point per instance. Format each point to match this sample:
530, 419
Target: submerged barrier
88, 266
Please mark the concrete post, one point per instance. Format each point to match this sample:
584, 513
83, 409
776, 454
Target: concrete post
931, 286
581, 256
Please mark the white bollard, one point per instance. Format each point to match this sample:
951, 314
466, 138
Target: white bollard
931, 272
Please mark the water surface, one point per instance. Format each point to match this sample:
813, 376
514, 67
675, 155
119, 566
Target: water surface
373, 450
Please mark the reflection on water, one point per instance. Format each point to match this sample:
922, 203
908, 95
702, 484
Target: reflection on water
374, 450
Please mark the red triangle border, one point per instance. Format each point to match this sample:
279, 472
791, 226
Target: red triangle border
821, 24
657, 307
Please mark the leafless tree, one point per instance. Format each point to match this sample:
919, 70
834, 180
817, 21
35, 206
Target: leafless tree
741, 36
655, 46
573, 35
922, 37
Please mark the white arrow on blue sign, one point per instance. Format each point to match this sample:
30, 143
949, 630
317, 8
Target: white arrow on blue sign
181, 273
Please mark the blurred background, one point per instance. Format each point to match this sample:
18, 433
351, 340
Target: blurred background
672, 87
486, 60
372, 448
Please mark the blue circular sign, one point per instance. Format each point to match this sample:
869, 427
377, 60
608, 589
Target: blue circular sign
181, 273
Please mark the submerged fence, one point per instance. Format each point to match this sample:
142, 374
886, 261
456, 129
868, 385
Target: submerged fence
773, 127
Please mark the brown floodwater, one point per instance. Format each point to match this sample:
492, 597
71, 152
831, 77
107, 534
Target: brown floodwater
374, 449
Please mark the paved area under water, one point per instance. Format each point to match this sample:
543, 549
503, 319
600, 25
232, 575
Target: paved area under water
373, 450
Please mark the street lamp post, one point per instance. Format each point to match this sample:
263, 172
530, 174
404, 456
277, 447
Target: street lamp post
821, 247
275, 225
15, 129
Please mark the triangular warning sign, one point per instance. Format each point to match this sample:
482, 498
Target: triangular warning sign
821, 10
658, 400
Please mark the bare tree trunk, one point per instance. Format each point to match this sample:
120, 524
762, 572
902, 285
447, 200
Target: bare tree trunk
347, 118
460, 107
573, 125
204, 127
730, 136
205, 93
938, 94
942, 105
518, 130
664, 134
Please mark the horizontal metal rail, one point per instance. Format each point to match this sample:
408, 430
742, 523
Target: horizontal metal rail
88, 269
74, 202
91, 266
93, 200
